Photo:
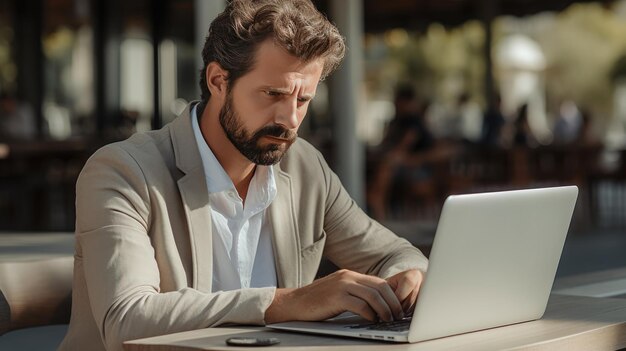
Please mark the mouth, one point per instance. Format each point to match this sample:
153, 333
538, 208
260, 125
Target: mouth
277, 139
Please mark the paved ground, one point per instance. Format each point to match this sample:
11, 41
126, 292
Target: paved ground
594, 250
33, 339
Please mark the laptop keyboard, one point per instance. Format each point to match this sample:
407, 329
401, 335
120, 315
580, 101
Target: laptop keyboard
396, 326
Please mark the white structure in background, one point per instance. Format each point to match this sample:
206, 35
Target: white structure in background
616, 135
82, 72
168, 73
136, 80
615, 138
521, 63
619, 107
377, 115
58, 120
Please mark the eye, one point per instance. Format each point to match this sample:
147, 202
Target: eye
272, 93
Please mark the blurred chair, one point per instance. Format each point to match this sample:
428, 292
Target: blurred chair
35, 294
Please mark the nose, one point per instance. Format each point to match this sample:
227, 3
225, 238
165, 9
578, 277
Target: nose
287, 114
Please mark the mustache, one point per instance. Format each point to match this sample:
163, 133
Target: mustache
276, 131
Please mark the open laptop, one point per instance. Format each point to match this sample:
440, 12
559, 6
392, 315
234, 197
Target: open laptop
493, 262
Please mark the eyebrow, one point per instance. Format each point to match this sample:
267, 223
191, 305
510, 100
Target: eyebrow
286, 92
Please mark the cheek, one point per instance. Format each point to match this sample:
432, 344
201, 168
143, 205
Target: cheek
253, 114
302, 114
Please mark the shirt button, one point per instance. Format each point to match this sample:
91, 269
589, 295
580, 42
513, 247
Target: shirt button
232, 194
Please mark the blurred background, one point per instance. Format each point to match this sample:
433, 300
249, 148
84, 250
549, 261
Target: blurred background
435, 97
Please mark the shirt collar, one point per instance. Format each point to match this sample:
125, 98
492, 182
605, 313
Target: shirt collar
217, 179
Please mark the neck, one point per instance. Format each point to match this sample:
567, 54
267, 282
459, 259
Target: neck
239, 169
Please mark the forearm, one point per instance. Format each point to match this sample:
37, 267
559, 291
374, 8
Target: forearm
145, 313
123, 282
403, 257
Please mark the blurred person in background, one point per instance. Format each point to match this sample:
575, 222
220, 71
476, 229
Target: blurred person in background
522, 135
407, 129
401, 164
586, 135
493, 125
222, 216
568, 123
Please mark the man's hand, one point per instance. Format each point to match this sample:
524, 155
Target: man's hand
368, 296
406, 286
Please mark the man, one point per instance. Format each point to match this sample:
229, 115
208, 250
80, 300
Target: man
211, 221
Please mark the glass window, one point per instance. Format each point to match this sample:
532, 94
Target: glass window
136, 66
67, 44
177, 54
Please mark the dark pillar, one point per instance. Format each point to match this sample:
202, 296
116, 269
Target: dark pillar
158, 21
107, 29
29, 57
345, 86
489, 9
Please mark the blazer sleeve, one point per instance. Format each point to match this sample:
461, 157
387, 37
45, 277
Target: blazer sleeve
121, 273
357, 242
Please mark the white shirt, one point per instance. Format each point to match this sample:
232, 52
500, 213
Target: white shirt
242, 244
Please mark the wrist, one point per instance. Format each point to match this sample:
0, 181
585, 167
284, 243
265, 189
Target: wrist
281, 309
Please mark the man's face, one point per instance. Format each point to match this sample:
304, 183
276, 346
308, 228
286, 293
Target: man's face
265, 107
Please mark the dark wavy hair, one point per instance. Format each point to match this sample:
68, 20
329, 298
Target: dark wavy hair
295, 25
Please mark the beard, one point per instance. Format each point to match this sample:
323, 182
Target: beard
249, 144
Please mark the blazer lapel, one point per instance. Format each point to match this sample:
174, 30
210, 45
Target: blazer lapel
285, 233
195, 199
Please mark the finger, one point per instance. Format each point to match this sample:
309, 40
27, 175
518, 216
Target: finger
373, 298
404, 289
360, 307
406, 282
409, 304
385, 290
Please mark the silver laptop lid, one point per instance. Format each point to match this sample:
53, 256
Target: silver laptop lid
493, 260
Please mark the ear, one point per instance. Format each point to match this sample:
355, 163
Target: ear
216, 79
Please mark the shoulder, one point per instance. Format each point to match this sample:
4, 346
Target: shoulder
140, 149
143, 158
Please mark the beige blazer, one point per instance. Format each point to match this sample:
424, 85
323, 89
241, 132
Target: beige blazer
143, 260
